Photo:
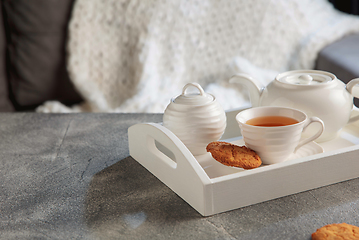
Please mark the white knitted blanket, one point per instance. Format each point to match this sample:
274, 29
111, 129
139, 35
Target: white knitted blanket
135, 55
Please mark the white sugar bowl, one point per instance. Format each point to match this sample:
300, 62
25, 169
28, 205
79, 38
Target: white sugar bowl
195, 118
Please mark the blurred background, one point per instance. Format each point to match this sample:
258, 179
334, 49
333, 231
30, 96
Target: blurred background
37, 75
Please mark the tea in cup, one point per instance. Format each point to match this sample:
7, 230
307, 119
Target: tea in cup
274, 133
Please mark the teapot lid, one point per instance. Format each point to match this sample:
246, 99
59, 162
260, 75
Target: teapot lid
309, 77
192, 98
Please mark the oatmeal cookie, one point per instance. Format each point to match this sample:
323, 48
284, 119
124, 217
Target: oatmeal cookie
232, 155
336, 231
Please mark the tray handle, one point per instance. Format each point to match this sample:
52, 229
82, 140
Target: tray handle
155, 143
177, 168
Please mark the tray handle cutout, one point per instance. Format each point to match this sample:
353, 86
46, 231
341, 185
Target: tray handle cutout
162, 152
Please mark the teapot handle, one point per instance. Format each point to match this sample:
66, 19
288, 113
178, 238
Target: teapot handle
196, 85
350, 87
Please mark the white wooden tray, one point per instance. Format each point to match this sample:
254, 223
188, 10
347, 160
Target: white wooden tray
210, 187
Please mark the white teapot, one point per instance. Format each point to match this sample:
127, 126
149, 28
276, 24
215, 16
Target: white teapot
317, 93
195, 118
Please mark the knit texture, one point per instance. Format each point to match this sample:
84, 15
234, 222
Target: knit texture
134, 56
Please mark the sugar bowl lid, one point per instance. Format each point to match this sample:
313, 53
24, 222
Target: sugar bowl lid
307, 77
193, 98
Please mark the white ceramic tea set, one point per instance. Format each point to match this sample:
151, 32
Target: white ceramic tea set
325, 101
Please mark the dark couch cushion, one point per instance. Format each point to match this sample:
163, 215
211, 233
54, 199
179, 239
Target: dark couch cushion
5, 104
37, 32
341, 58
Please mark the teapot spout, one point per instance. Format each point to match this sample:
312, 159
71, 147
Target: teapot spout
254, 87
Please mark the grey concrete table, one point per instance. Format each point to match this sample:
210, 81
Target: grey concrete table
70, 176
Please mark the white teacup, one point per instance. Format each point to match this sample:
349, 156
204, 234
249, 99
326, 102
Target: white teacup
275, 143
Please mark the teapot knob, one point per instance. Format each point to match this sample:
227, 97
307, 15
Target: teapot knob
305, 79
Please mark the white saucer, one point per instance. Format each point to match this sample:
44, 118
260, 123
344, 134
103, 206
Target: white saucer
305, 151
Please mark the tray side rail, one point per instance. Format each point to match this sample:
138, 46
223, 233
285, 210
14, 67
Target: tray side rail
284, 179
